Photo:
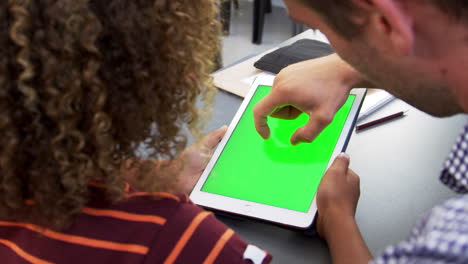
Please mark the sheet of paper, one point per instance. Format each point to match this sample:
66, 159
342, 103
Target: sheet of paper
250, 80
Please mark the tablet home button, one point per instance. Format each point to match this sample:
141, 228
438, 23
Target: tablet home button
248, 208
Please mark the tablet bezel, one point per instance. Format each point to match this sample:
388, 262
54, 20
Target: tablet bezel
262, 211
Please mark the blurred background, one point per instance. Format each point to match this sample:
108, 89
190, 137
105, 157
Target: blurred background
240, 22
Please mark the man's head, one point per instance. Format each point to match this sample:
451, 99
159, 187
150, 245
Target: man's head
337, 12
414, 49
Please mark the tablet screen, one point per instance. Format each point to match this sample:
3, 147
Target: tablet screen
274, 172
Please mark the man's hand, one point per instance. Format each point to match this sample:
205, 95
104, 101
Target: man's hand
317, 87
337, 195
195, 158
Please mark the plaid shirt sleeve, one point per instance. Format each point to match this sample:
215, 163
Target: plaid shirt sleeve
442, 235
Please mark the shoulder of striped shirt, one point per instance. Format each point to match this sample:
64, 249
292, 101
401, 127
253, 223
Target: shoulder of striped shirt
128, 215
140, 249
126, 212
91, 242
162, 195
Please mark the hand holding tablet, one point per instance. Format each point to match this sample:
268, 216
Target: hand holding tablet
272, 179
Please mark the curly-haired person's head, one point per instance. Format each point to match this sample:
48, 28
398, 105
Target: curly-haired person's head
83, 83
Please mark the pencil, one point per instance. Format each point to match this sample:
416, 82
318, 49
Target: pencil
380, 121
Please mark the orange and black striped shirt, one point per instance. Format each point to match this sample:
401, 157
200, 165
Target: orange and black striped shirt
139, 229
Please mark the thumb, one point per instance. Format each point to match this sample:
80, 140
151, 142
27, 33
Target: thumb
311, 130
212, 139
341, 164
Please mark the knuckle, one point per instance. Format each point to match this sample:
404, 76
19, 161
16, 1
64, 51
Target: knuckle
324, 119
281, 88
339, 162
256, 111
355, 179
284, 71
286, 91
259, 116
305, 137
333, 171
281, 91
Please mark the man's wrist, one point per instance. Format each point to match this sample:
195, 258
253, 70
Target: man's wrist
351, 78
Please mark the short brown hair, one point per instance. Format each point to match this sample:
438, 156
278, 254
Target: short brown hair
83, 83
336, 12
333, 12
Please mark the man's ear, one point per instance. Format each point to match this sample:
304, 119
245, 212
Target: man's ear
388, 21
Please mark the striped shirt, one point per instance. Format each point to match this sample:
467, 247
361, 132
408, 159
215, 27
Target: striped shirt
138, 229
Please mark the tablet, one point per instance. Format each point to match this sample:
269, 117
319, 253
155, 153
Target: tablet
271, 179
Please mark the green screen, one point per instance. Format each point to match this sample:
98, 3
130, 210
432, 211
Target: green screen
274, 172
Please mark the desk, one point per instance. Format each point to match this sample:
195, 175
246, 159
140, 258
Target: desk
399, 164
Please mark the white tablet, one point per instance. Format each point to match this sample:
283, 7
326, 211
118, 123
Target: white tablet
271, 179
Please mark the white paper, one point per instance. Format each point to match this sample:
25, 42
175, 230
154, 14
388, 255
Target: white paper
250, 80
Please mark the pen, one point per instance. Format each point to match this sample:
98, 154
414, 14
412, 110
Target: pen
380, 121
387, 99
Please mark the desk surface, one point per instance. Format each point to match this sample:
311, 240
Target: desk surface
398, 162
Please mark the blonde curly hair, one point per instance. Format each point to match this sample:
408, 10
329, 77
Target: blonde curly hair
83, 83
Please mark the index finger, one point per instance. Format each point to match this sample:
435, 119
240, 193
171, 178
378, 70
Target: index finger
261, 111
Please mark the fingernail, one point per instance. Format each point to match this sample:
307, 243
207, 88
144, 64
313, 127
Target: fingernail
300, 140
294, 142
223, 127
344, 155
265, 134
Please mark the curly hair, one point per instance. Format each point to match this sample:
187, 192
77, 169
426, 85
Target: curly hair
83, 83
